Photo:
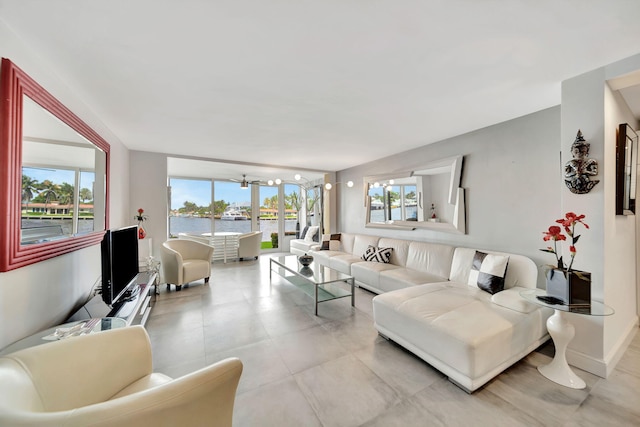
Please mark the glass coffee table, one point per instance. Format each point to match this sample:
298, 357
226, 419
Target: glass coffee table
320, 282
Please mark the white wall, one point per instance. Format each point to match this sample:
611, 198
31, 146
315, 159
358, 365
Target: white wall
41, 295
620, 250
512, 177
609, 253
149, 192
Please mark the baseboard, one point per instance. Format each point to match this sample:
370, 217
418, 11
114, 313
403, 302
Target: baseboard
604, 367
621, 346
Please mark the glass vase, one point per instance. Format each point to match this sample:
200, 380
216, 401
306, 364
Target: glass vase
141, 232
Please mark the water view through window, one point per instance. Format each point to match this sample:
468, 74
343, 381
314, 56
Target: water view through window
395, 203
52, 206
231, 211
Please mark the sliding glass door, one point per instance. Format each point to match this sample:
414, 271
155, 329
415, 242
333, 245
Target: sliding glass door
279, 211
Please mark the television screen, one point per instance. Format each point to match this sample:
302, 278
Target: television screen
119, 262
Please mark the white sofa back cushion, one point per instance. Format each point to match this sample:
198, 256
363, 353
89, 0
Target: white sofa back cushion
433, 258
346, 242
362, 242
521, 270
400, 249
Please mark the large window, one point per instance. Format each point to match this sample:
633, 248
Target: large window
232, 207
190, 210
279, 211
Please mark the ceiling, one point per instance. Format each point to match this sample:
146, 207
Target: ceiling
322, 85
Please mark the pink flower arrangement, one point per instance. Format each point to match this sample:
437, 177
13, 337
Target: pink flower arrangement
555, 233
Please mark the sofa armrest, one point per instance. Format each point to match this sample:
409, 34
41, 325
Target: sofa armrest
511, 299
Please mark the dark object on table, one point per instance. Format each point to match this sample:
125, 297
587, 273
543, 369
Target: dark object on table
550, 300
305, 260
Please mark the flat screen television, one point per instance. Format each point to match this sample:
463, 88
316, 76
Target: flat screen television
119, 252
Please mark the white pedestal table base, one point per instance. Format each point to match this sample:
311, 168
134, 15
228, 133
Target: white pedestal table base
558, 371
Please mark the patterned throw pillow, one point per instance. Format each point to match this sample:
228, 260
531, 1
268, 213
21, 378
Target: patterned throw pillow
304, 232
374, 254
330, 242
488, 271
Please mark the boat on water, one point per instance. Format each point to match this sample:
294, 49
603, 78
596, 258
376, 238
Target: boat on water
234, 215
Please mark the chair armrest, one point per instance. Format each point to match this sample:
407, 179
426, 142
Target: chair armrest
204, 396
171, 265
207, 254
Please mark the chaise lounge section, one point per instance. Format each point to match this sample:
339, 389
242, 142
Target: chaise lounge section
429, 303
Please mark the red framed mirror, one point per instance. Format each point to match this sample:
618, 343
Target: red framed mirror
47, 154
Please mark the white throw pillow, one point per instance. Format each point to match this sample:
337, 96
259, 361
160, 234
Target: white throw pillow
311, 233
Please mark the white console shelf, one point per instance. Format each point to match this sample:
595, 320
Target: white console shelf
135, 310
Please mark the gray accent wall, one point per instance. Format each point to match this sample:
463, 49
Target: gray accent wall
512, 178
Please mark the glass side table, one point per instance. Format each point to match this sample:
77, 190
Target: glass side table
66, 331
562, 332
151, 265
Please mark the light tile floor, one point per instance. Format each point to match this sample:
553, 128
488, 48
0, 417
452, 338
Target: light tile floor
334, 369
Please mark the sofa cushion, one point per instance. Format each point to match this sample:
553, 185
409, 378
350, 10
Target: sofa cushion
346, 242
430, 257
400, 250
458, 327
360, 244
374, 254
322, 257
488, 271
300, 246
343, 262
367, 274
403, 277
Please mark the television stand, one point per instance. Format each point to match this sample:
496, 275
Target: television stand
133, 309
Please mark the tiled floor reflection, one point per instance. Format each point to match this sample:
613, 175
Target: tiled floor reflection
334, 370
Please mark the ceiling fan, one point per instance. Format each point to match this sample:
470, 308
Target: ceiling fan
244, 184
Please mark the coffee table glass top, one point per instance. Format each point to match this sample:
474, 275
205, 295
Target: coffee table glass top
315, 275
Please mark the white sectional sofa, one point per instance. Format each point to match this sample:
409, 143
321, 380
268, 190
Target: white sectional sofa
426, 305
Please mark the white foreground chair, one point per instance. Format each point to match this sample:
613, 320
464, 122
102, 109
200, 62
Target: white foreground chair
107, 379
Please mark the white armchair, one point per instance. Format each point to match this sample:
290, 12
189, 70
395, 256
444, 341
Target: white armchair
184, 261
249, 245
107, 379
207, 240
